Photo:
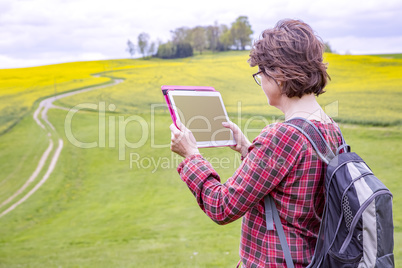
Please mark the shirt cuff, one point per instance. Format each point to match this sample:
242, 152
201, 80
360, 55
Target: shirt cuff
243, 157
187, 160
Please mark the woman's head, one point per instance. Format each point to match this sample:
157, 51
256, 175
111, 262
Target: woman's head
292, 54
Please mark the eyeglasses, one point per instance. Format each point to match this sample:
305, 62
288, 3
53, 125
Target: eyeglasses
257, 78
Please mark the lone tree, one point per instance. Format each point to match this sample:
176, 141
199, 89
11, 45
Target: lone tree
143, 43
181, 35
226, 37
241, 31
199, 38
151, 49
212, 33
130, 48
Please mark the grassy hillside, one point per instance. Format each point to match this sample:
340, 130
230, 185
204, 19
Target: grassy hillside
99, 210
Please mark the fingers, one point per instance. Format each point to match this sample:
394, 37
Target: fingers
174, 129
182, 140
237, 133
181, 126
228, 124
232, 126
178, 124
176, 134
181, 132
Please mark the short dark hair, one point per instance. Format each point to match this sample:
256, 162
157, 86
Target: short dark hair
292, 54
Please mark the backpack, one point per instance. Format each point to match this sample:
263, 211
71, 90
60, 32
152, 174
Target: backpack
357, 226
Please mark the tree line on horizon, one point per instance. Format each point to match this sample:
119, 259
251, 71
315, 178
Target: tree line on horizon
185, 40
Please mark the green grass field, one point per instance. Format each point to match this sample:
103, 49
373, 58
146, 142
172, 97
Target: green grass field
97, 210
390, 56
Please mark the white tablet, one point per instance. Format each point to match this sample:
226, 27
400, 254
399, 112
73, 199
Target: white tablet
202, 111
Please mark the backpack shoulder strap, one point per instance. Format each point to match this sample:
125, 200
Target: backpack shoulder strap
324, 151
272, 212
317, 140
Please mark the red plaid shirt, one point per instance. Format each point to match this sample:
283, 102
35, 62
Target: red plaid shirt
280, 162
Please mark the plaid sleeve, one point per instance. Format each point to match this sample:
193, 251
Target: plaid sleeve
270, 158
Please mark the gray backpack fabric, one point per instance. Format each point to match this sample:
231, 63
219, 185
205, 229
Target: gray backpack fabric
357, 225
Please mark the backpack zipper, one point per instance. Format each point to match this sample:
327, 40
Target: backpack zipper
357, 216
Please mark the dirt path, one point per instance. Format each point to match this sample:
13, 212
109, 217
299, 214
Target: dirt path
40, 117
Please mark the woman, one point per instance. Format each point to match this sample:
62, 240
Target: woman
280, 161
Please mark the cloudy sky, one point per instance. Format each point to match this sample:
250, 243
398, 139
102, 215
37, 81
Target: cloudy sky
38, 32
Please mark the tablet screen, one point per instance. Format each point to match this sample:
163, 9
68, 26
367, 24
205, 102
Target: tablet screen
203, 115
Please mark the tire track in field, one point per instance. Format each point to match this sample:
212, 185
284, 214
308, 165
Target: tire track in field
40, 117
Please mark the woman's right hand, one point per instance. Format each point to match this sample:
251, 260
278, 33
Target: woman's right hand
242, 142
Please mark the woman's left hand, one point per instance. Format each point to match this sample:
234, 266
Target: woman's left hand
183, 142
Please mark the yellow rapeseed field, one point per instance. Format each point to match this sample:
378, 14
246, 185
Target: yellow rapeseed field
364, 89
367, 88
21, 87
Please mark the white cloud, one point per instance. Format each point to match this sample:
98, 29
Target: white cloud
50, 31
367, 45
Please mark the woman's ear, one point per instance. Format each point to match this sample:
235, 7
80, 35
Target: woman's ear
279, 76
